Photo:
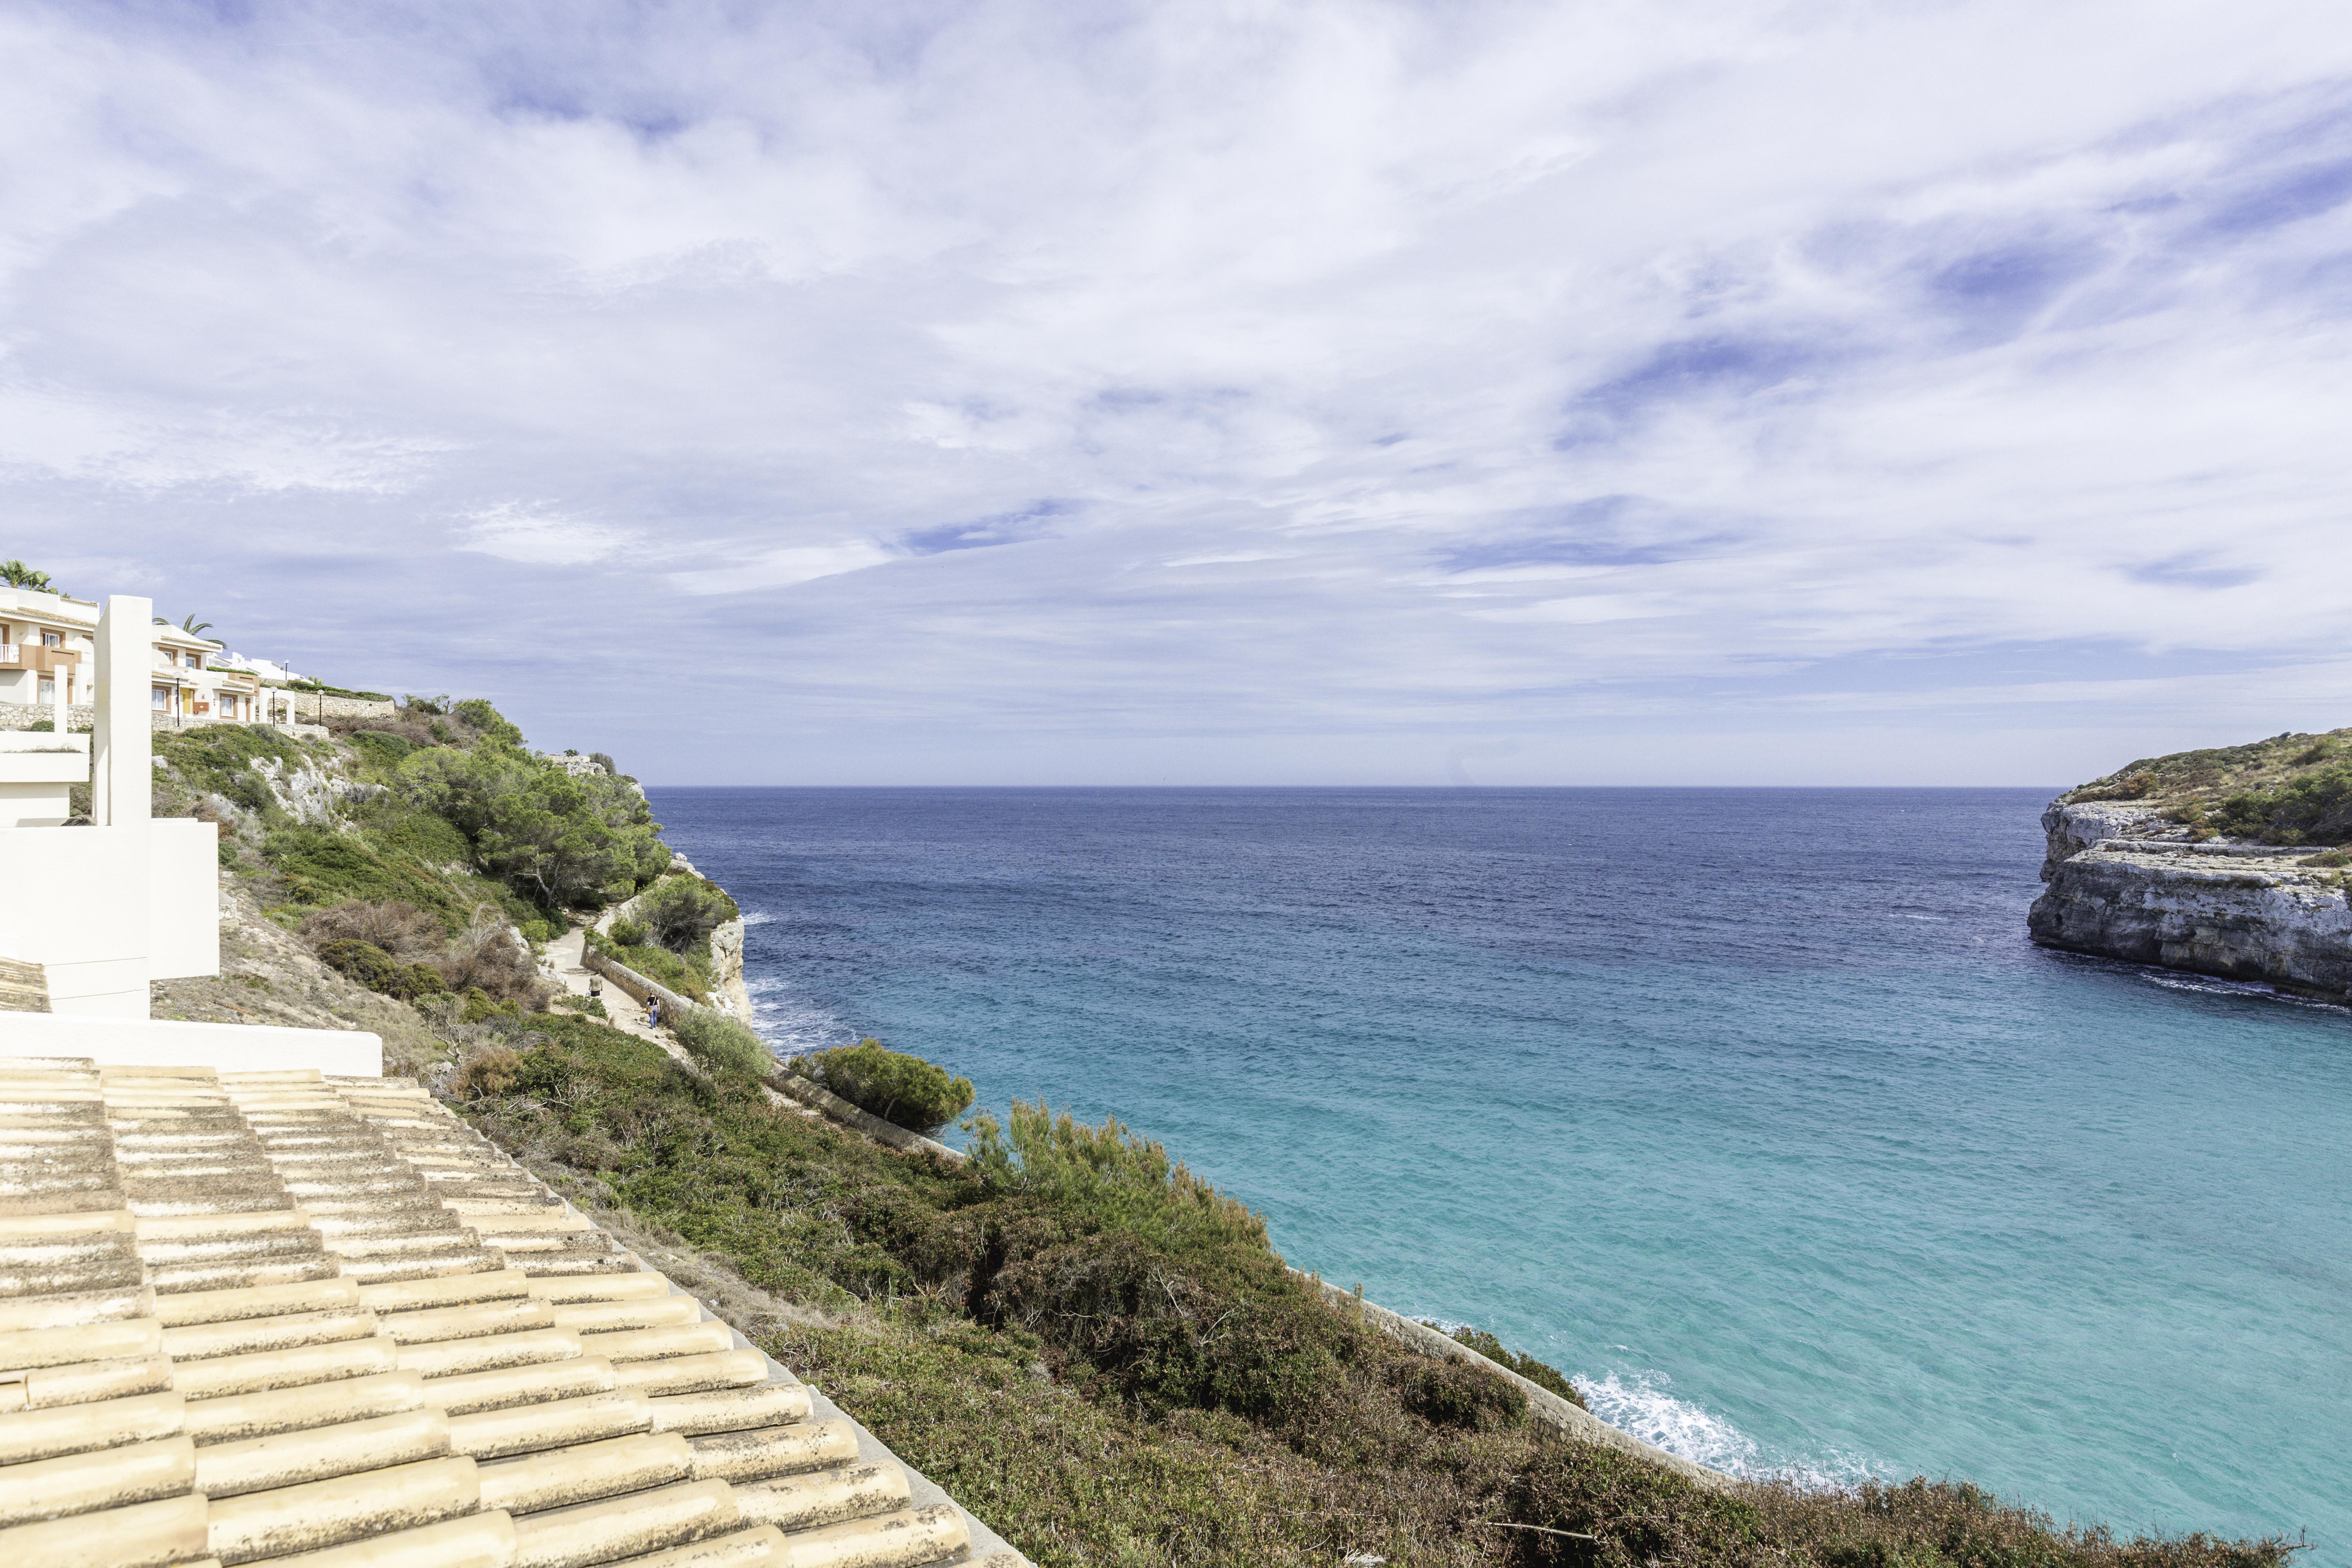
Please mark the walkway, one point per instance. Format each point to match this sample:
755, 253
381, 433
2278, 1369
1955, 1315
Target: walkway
566, 962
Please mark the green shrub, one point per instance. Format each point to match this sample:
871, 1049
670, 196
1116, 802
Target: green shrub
680, 914
1527, 1366
380, 971
627, 934
900, 1088
395, 824
319, 866
480, 1006
251, 791
43, 727
591, 1005
1126, 1180
378, 751
1456, 1393
217, 759
688, 977
721, 1044
2314, 809
477, 712
560, 841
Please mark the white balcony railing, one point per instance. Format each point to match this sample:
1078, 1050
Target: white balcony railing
7, 653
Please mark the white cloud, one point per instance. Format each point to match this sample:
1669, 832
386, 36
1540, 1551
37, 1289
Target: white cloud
512, 530
1515, 363
782, 568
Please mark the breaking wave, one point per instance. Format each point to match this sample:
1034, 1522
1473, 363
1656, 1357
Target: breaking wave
1639, 1404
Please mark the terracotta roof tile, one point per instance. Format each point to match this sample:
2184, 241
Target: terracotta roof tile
273, 1318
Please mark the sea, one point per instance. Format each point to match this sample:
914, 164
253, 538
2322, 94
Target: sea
1752, 1110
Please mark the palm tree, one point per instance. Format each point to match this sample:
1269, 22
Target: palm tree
16, 574
192, 626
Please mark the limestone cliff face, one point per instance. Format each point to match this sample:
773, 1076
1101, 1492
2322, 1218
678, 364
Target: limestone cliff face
727, 970
2126, 883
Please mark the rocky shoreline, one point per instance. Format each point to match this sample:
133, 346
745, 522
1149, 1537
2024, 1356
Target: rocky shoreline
2130, 882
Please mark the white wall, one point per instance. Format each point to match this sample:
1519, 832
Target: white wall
74, 900
105, 909
224, 1047
183, 899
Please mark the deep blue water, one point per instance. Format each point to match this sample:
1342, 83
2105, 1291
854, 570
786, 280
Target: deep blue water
1752, 1110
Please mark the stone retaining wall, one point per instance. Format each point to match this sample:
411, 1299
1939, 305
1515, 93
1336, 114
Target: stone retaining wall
24, 715
818, 1098
163, 723
316, 708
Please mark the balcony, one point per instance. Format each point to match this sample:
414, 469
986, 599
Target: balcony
34, 656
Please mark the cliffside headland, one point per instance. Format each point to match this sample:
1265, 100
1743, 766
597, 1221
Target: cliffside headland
2225, 862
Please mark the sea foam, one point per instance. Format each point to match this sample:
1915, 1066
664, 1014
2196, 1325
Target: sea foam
1639, 1404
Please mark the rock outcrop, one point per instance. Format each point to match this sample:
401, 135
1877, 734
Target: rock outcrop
2129, 881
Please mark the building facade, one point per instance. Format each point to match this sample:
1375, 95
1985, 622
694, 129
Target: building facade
47, 658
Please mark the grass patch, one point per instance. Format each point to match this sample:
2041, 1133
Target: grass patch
2289, 789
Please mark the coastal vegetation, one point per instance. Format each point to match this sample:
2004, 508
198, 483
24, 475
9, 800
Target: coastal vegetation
441, 812
2289, 789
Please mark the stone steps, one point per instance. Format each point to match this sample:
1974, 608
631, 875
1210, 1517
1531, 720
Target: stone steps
23, 986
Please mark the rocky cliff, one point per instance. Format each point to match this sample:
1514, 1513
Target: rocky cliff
2218, 862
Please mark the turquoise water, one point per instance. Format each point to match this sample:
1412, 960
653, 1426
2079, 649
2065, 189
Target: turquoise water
1753, 1110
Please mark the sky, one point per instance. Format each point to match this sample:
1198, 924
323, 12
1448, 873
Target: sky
1716, 393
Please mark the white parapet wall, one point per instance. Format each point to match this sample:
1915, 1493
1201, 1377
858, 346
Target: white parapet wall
74, 905
167, 1043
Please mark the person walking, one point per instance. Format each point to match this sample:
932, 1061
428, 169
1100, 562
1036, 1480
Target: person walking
653, 1012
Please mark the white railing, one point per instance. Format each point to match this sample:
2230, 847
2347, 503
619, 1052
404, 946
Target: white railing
7, 653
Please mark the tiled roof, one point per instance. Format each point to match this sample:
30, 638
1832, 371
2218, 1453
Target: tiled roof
270, 1317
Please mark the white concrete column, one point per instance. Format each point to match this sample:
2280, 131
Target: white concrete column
122, 742
61, 695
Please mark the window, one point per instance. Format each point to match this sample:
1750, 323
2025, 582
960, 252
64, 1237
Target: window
160, 698
52, 639
48, 689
